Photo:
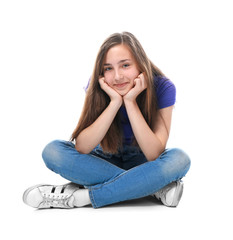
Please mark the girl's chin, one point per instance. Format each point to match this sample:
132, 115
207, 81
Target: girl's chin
123, 92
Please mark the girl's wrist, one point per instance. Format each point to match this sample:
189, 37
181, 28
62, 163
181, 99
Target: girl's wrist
129, 101
117, 102
130, 105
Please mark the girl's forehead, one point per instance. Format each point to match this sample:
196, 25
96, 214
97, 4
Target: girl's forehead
118, 52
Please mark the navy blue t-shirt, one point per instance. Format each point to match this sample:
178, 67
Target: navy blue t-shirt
166, 97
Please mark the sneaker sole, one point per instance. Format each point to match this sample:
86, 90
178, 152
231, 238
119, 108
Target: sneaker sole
178, 194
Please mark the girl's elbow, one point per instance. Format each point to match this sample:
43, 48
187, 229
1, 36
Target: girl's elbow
155, 154
152, 157
82, 149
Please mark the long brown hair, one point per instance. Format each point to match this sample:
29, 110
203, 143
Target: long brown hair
97, 100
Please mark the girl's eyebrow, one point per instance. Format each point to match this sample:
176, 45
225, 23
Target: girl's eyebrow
121, 61
124, 60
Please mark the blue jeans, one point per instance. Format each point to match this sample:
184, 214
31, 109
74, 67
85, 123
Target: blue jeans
112, 178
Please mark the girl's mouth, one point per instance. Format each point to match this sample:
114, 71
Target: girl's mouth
121, 85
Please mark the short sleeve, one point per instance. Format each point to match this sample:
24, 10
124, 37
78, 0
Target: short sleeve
165, 91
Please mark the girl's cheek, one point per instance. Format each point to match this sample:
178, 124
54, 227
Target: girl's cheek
107, 78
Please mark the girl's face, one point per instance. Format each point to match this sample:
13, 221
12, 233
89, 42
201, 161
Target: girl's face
120, 69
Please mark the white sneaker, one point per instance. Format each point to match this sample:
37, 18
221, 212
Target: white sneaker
50, 196
171, 194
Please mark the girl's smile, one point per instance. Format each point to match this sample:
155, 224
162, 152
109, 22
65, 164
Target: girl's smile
121, 85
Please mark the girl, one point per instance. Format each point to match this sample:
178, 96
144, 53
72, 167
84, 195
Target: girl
117, 151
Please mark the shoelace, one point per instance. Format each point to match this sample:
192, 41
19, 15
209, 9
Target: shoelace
56, 200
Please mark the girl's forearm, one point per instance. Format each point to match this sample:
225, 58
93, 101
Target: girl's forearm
90, 137
149, 143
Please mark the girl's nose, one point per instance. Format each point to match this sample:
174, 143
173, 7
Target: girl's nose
118, 75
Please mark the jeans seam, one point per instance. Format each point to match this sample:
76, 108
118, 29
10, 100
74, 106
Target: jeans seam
92, 199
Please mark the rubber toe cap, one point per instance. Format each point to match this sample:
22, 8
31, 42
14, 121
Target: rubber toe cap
33, 197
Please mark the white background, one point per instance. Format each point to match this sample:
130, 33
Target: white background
47, 52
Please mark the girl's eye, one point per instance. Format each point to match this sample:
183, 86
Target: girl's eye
107, 69
125, 65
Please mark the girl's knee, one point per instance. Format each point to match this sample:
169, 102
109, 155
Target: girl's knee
178, 159
180, 154
52, 153
181, 158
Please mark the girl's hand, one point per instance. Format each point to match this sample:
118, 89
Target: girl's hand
139, 86
114, 96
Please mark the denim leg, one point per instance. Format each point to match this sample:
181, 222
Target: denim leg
85, 169
142, 180
108, 183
